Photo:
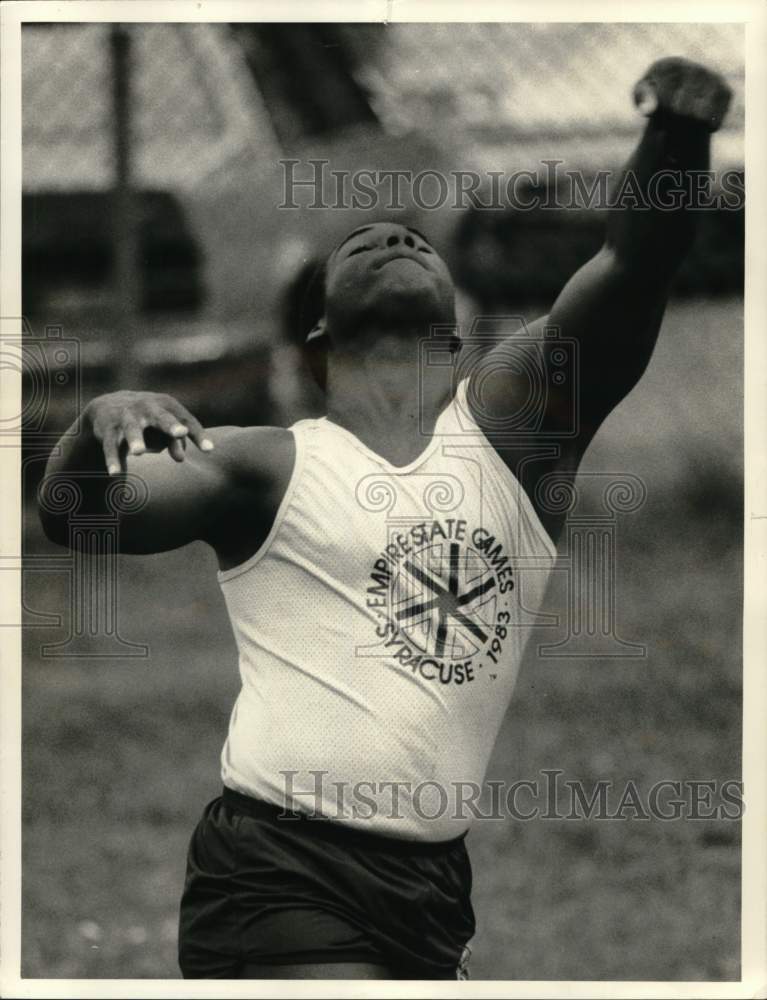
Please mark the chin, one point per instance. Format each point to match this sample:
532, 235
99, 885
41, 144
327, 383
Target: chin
407, 298
404, 309
401, 298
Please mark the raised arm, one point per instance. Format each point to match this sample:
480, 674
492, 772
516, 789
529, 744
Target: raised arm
613, 306
222, 486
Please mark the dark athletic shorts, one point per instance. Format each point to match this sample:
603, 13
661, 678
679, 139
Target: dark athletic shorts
269, 891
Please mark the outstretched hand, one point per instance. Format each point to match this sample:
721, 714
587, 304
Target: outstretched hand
136, 422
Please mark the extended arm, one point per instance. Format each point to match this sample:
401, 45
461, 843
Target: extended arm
613, 306
223, 489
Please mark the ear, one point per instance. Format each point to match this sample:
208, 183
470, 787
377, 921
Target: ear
318, 330
316, 352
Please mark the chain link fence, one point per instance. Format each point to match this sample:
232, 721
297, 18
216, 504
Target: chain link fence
196, 108
151, 160
192, 105
156, 256
492, 84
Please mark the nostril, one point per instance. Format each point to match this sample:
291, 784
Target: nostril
409, 242
392, 241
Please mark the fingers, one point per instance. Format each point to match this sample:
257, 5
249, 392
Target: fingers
703, 96
134, 437
685, 89
645, 98
110, 444
175, 424
128, 423
176, 449
165, 420
192, 425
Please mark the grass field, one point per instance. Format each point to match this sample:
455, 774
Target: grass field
119, 756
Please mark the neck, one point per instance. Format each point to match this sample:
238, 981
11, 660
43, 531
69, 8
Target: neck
387, 395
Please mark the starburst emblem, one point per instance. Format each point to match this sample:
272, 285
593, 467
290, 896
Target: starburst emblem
445, 601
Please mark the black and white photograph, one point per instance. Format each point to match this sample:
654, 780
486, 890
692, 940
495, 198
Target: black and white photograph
383, 530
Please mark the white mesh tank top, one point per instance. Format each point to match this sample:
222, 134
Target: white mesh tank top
380, 629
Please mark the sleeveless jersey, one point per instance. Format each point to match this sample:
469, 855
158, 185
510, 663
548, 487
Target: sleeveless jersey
381, 627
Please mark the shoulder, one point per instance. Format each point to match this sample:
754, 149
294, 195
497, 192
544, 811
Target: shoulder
249, 455
523, 396
509, 388
257, 465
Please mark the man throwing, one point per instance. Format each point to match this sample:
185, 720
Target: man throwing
381, 567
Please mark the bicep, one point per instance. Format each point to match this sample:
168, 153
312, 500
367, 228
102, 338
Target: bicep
567, 370
611, 315
225, 497
180, 499
555, 381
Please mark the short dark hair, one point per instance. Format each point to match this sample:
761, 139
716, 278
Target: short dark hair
303, 302
312, 307
303, 308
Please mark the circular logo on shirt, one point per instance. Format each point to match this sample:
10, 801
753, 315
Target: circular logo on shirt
441, 592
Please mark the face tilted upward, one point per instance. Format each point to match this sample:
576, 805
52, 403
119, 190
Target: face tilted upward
386, 275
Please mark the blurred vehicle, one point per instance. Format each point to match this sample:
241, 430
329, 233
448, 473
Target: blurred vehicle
210, 250
155, 222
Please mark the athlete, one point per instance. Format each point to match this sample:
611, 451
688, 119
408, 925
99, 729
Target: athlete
381, 567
